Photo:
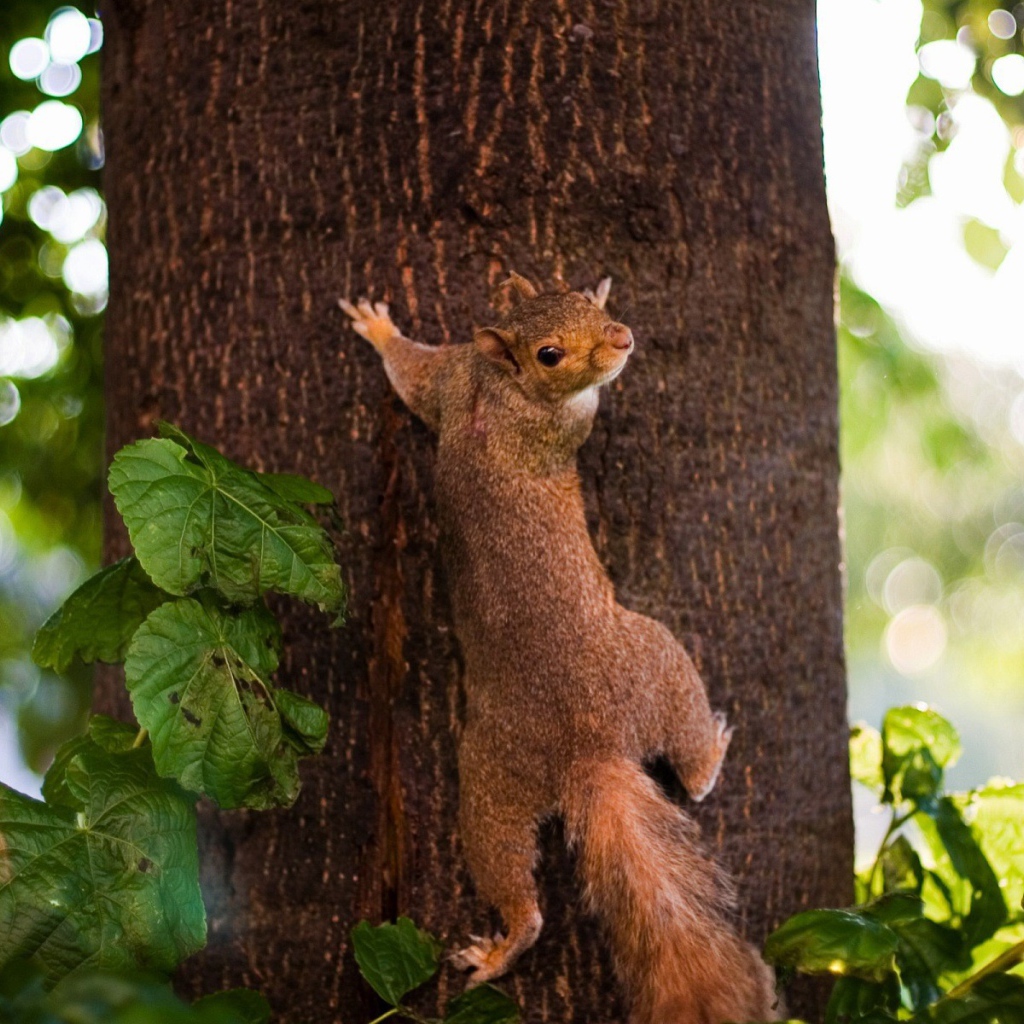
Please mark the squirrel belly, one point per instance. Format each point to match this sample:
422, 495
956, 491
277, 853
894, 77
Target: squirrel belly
568, 693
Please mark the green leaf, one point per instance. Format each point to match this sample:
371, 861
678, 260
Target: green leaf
866, 756
984, 244
296, 488
856, 1000
106, 733
997, 999
199, 682
484, 1004
996, 813
233, 1006
97, 621
305, 723
918, 744
928, 950
988, 907
901, 866
893, 908
111, 735
395, 958
108, 879
834, 942
197, 519
963, 867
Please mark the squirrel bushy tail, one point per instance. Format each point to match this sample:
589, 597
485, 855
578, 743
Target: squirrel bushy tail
663, 902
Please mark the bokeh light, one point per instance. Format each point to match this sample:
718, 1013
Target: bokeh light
54, 125
1002, 24
8, 169
949, 62
10, 403
1008, 74
14, 132
69, 35
85, 268
60, 79
28, 58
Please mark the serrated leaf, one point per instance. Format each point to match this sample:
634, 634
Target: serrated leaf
842, 942
198, 520
54, 788
97, 621
395, 958
997, 999
111, 883
106, 733
111, 735
484, 1004
199, 682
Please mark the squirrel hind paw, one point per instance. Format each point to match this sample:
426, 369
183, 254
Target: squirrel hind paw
484, 959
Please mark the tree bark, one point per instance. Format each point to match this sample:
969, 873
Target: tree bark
264, 159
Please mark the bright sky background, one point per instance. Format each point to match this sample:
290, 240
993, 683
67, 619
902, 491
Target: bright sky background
913, 260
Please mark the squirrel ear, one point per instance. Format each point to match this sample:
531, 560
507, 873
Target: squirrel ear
523, 288
496, 345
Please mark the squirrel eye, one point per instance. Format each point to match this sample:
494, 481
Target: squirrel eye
549, 355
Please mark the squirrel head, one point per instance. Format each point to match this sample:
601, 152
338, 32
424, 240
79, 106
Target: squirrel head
555, 346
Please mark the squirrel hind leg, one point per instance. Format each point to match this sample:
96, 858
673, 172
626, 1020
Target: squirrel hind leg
498, 827
698, 759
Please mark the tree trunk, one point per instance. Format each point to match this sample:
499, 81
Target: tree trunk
264, 159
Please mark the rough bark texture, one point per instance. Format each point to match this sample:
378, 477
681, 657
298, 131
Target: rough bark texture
265, 158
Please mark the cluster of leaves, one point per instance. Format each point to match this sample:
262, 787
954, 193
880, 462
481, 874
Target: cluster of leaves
398, 958
103, 872
933, 938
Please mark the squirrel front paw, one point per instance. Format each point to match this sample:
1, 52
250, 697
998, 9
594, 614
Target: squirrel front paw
371, 321
485, 959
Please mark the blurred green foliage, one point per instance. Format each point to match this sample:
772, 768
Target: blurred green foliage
51, 451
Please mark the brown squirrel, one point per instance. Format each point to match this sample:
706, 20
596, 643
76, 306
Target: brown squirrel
568, 693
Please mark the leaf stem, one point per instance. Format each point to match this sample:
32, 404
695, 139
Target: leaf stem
896, 822
1007, 959
140, 738
384, 1016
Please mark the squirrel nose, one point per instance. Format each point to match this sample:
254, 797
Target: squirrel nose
620, 336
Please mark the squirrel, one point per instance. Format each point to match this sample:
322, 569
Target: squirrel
568, 694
